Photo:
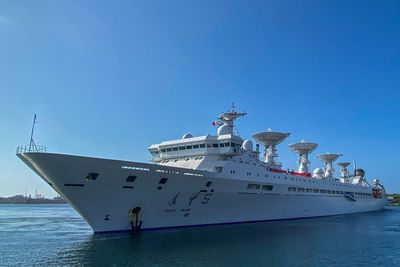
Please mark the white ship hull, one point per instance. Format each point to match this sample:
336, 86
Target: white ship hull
184, 200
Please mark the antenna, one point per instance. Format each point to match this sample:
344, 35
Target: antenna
328, 159
31, 142
303, 148
270, 139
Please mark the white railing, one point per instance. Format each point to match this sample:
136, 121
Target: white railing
31, 149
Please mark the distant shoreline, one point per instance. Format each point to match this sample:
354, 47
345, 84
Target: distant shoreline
20, 199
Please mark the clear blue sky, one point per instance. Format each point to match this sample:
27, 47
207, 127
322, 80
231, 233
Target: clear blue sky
109, 78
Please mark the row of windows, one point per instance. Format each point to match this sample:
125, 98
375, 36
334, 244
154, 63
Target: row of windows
183, 159
323, 191
196, 146
258, 186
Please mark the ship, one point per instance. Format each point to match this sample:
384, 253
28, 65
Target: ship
205, 180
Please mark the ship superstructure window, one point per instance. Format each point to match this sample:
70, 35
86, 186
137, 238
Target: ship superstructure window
195, 146
163, 150
292, 189
163, 181
130, 178
189, 147
267, 187
253, 186
315, 191
181, 148
92, 176
202, 145
300, 189
175, 149
215, 145
309, 190
208, 184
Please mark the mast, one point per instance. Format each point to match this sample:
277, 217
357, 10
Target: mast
31, 142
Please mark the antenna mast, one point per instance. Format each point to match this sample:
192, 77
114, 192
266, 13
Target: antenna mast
32, 143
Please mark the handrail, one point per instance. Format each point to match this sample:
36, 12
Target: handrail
31, 149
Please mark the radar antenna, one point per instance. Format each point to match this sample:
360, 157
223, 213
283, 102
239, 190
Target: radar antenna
227, 119
328, 159
270, 139
303, 149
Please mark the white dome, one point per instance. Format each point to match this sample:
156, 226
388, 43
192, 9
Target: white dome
224, 129
185, 136
247, 145
318, 173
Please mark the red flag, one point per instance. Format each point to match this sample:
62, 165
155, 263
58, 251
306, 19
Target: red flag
214, 123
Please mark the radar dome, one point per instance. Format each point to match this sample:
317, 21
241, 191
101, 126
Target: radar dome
318, 173
224, 129
360, 172
247, 145
185, 136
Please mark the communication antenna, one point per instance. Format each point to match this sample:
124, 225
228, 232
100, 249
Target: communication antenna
31, 142
270, 139
328, 159
303, 149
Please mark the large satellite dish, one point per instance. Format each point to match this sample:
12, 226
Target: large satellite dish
303, 147
270, 138
328, 157
344, 164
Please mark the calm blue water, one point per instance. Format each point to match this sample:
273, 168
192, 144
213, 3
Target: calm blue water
49, 235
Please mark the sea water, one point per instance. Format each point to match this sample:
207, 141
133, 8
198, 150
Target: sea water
55, 235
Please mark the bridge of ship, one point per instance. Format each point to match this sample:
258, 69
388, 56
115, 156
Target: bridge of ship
228, 145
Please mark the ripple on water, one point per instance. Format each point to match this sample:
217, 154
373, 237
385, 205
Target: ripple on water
54, 235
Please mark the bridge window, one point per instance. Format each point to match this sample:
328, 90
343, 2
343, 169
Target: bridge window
195, 146
301, 189
215, 145
202, 145
175, 149
169, 149
181, 148
163, 150
292, 189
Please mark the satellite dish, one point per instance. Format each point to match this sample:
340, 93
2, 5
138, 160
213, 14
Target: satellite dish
303, 148
328, 158
344, 164
270, 139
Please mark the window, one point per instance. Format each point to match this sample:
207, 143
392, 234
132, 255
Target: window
181, 148
189, 147
227, 144
292, 189
128, 187
209, 145
309, 190
163, 181
208, 184
221, 145
329, 192
233, 145
163, 150
130, 178
195, 146
175, 149
323, 191
300, 189
315, 191
215, 145
91, 176
267, 187
253, 186
202, 145
169, 149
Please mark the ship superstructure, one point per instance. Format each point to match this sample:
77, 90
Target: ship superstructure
211, 179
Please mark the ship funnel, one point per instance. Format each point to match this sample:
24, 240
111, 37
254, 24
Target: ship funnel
328, 159
303, 149
270, 139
